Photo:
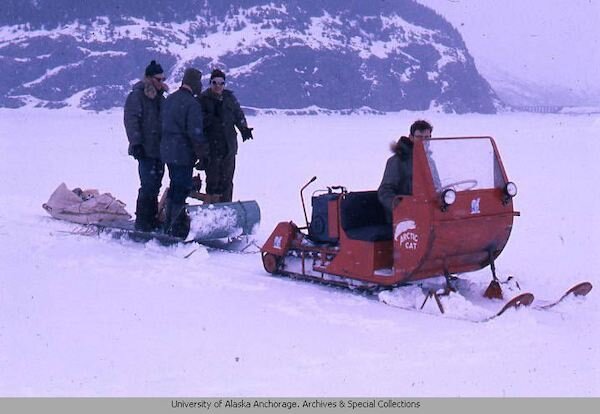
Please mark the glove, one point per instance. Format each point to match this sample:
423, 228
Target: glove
138, 151
202, 152
246, 133
201, 164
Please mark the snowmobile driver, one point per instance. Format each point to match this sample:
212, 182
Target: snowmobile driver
183, 143
143, 128
397, 177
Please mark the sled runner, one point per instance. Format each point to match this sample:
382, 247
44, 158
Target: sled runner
208, 223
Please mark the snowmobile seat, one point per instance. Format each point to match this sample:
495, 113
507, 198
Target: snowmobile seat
363, 217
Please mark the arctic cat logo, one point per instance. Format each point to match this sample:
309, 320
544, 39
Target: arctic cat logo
407, 239
404, 226
277, 242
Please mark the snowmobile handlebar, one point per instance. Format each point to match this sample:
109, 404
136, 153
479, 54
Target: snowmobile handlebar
302, 198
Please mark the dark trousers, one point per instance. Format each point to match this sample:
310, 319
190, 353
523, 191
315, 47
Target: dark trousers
219, 175
177, 222
151, 172
181, 183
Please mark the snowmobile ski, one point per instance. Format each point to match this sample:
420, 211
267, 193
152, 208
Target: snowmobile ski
579, 290
522, 299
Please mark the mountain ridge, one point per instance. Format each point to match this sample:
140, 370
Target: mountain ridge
333, 54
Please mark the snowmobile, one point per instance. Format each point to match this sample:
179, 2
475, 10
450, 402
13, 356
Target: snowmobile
212, 223
457, 220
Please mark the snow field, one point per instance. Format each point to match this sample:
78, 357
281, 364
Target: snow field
90, 316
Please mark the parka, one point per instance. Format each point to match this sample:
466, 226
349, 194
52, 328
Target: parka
398, 174
221, 114
142, 118
182, 133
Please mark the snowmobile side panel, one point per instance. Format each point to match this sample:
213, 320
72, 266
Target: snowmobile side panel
412, 237
333, 225
359, 259
280, 241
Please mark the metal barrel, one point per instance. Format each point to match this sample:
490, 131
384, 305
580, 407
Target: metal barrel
222, 220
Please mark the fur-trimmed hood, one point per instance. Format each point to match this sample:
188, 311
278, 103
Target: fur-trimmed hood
149, 89
403, 148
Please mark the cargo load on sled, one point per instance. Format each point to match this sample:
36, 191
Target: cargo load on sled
209, 222
458, 219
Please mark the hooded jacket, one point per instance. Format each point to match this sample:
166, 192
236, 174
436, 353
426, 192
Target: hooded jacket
221, 114
397, 177
142, 118
183, 141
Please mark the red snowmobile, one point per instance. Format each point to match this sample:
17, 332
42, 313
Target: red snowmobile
458, 219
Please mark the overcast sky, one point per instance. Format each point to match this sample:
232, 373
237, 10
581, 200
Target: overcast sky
549, 42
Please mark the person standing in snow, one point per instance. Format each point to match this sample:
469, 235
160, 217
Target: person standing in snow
142, 119
397, 177
183, 144
222, 112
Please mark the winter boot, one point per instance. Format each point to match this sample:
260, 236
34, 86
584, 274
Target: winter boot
178, 222
153, 214
213, 198
143, 215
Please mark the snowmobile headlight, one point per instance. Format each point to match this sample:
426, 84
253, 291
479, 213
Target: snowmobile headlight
510, 189
448, 198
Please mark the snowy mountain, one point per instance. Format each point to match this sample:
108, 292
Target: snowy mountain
549, 60
519, 92
333, 54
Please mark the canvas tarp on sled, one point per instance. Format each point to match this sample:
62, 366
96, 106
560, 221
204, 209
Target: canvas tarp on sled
85, 206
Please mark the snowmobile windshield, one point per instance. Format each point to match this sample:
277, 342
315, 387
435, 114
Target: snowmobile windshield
463, 164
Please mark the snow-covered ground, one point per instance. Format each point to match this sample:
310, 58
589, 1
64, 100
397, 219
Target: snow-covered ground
89, 316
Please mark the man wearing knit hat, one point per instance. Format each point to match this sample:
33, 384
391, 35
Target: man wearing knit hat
143, 128
182, 144
222, 113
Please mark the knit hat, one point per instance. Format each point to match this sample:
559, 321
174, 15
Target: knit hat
217, 73
153, 69
193, 78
